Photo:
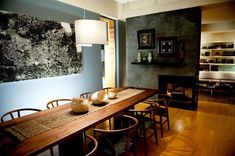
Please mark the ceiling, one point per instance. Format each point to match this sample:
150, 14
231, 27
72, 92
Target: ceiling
217, 15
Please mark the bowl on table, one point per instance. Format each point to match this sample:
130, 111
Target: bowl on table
79, 105
112, 94
99, 97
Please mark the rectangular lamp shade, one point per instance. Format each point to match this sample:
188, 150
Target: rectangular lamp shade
89, 32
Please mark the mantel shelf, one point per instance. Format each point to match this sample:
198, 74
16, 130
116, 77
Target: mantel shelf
160, 62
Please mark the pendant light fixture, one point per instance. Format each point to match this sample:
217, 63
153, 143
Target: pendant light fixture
88, 32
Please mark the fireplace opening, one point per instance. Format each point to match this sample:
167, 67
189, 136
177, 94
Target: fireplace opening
181, 89
177, 92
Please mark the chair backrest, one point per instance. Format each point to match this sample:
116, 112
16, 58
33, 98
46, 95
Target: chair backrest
57, 102
18, 113
107, 89
148, 112
86, 95
163, 99
130, 123
91, 145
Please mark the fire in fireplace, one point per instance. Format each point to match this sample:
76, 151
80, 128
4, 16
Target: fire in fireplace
182, 89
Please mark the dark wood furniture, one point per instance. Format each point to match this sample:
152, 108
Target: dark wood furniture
86, 95
57, 135
147, 123
119, 139
17, 113
57, 102
162, 101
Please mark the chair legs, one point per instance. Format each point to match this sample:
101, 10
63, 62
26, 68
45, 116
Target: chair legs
162, 123
51, 151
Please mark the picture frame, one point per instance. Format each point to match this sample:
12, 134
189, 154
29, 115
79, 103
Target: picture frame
146, 39
167, 46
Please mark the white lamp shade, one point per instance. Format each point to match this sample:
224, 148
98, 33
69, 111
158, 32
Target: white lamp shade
91, 32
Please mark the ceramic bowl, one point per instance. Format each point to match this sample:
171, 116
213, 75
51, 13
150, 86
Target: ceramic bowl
112, 95
99, 97
78, 105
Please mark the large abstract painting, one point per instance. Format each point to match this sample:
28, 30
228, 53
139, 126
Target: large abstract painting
32, 48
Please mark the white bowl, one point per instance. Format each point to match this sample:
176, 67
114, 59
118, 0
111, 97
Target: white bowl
99, 97
78, 106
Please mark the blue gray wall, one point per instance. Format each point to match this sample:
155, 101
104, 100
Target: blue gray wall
184, 24
36, 93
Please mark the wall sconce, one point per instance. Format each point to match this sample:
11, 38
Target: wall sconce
88, 32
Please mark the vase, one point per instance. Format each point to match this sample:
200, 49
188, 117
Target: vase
139, 57
150, 57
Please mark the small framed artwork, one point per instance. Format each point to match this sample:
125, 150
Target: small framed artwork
167, 46
146, 39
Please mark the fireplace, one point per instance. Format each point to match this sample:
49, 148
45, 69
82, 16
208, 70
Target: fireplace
182, 89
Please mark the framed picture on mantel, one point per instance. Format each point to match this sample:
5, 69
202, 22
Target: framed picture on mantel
167, 46
146, 39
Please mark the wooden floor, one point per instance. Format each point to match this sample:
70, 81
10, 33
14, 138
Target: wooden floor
209, 131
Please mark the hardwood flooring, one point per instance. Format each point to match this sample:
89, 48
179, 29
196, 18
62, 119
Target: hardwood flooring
209, 131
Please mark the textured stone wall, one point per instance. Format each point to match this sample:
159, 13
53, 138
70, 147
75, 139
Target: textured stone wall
184, 24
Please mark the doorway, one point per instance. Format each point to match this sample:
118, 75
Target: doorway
109, 56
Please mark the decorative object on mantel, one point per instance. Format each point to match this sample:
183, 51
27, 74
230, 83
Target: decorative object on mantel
139, 57
167, 46
150, 57
32, 48
90, 32
146, 39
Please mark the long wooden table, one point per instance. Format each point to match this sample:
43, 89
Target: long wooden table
68, 130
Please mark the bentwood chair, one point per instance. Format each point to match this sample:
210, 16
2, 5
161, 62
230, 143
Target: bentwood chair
57, 102
91, 145
86, 95
107, 89
19, 113
120, 139
147, 124
162, 113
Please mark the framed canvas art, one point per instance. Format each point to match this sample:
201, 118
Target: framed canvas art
167, 46
146, 39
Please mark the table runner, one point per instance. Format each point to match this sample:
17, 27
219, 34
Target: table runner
39, 125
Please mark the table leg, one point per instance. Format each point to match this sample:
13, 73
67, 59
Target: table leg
72, 146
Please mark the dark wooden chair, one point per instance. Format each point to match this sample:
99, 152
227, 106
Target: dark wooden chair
86, 95
57, 102
107, 89
163, 101
147, 123
120, 138
91, 145
17, 113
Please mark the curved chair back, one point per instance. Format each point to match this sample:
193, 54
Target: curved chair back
57, 102
163, 101
107, 89
86, 95
147, 122
18, 113
90, 141
124, 134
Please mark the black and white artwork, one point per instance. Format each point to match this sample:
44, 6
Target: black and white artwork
32, 48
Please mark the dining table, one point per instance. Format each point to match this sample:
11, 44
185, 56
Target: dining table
42, 130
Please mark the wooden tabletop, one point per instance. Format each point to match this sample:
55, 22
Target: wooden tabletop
57, 135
